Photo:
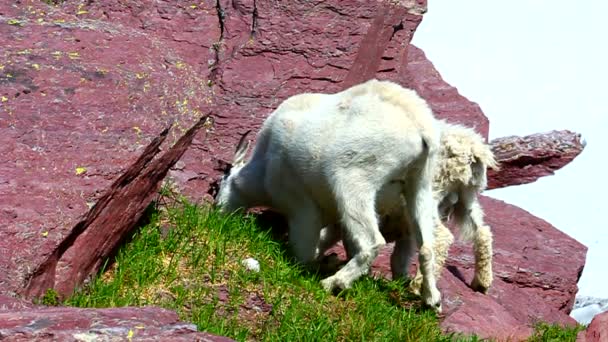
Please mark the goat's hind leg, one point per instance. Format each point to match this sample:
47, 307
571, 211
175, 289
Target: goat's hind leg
482, 247
423, 210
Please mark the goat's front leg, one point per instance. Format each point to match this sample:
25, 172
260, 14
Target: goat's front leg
304, 230
357, 210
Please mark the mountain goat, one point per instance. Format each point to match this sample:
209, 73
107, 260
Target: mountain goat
460, 175
347, 157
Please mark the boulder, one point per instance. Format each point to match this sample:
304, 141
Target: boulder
525, 159
597, 331
88, 90
85, 104
40, 323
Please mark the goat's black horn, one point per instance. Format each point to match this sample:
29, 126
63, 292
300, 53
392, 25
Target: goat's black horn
242, 140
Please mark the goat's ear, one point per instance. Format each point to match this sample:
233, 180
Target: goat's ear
241, 149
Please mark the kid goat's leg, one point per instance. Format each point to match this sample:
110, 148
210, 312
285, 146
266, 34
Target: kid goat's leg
443, 240
482, 246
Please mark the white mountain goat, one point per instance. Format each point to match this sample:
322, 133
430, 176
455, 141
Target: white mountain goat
460, 175
346, 157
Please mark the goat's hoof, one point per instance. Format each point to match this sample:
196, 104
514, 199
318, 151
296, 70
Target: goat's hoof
436, 307
480, 286
333, 283
432, 299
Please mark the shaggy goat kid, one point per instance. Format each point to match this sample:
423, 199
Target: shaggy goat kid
459, 177
346, 157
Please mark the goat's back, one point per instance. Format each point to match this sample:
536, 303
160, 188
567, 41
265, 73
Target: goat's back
373, 131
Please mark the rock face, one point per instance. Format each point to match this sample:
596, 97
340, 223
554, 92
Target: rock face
87, 90
597, 331
29, 323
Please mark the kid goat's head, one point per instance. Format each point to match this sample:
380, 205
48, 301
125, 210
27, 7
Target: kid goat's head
228, 193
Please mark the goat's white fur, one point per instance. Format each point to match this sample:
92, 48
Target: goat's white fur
347, 157
459, 177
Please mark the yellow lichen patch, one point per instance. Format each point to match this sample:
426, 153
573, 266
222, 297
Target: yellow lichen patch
3, 98
45, 233
1, 66
140, 75
14, 22
59, 21
80, 10
36, 66
39, 20
57, 54
137, 130
130, 334
80, 170
180, 64
24, 52
193, 6
74, 55
102, 71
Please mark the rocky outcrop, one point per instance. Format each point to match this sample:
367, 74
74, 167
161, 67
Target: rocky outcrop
526, 159
597, 331
26, 322
88, 88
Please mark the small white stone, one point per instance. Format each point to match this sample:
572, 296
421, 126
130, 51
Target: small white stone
251, 264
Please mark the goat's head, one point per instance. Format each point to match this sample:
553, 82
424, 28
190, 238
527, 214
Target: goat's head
227, 192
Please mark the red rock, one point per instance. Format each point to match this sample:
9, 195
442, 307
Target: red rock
87, 87
75, 324
109, 221
82, 100
525, 159
597, 331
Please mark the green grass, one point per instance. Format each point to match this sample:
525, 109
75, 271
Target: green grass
554, 333
187, 258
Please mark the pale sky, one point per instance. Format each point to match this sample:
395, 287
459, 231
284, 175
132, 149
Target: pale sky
535, 66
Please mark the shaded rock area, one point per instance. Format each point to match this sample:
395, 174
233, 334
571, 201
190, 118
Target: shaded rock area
88, 90
26, 322
597, 331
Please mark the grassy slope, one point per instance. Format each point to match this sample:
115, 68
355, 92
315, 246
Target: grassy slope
188, 258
